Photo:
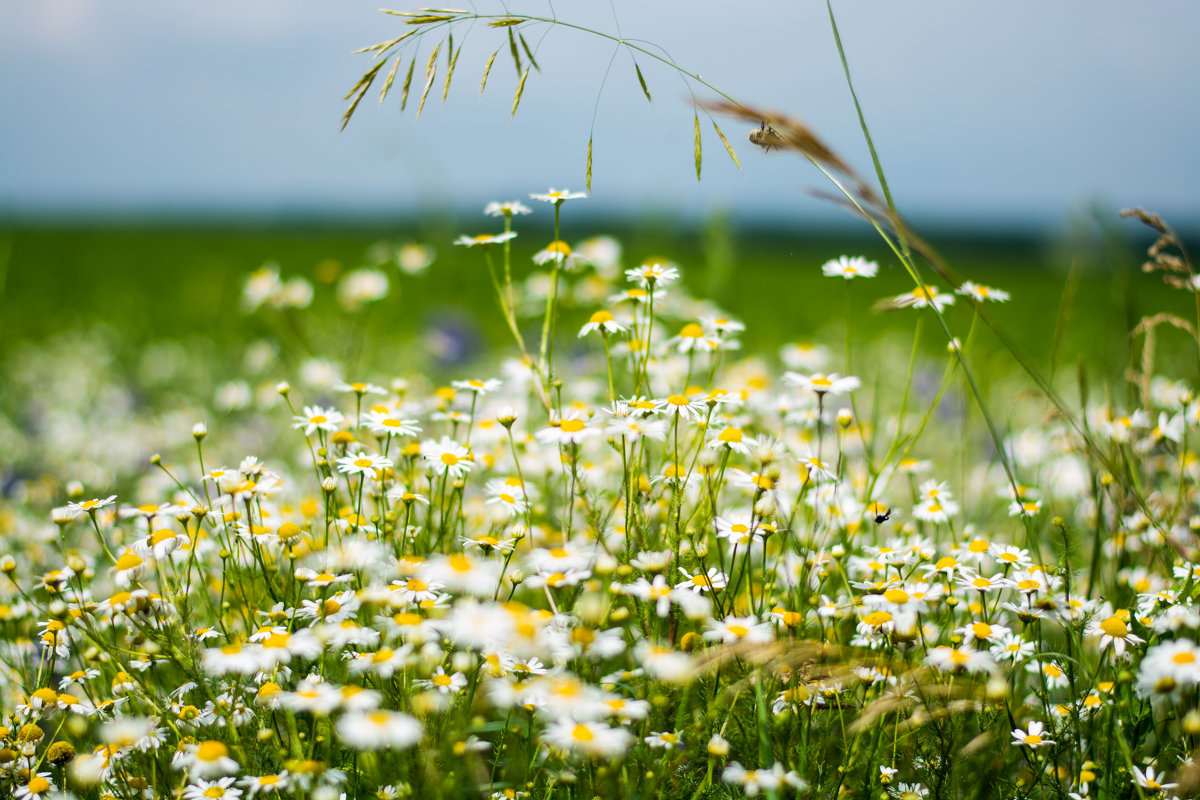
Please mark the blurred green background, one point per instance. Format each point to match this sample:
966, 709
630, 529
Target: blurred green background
1074, 296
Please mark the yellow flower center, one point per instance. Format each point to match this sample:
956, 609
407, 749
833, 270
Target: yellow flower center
1115, 627
128, 561
572, 425
211, 751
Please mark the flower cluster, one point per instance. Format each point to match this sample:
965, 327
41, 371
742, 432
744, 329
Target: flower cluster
658, 570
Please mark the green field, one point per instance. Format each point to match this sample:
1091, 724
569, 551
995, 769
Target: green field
152, 283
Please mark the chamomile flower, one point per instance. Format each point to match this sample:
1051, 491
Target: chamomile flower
358, 388
981, 293
924, 298
376, 730
679, 405
205, 759
568, 431
316, 418
93, 505
265, 784
382, 424
703, 581
485, 239
479, 387
1032, 736
849, 267
594, 739
604, 323
664, 740
653, 273
362, 463
559, 196
821, 383
446, 457
740, 629
222, 789
440, 681
510, 208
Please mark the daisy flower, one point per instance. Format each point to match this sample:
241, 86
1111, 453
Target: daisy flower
317, 418
204, 790
381, 424
1169, 666
359, 388
752, 781
664, 740
589, 738
444, 683
265, 784
925, 297
691, 338
373, 730
477, 386
821, 383
560, 253
701, 581
509, 501
1031, 737
682, 406
93, 505
981, 293
953, 659
362, 463
205, 759
567, 431
559, 196
604, 323
730, 438
35, 788
507, 209
849, 267
447, 456
485, 239
653, 273
1150, 779
740, 629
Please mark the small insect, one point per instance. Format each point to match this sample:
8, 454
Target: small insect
765, 137
884, 517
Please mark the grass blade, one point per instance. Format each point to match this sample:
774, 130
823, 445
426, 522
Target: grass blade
520, 91
642, 81
528, 52
728, 146
387, 82
407, 83
487, 70
512, 49
430, 74
589, 166
451, 63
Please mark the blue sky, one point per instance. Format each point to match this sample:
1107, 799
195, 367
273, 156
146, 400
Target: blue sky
1020, 111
